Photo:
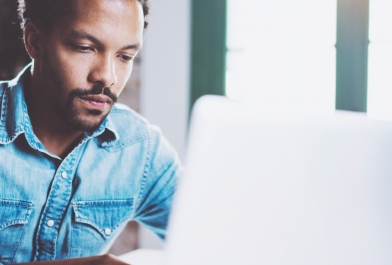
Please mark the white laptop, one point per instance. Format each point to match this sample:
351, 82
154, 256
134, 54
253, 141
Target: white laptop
283, 189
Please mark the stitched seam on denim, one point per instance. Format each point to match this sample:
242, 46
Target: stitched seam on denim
102, 202
123, 111
18, 245
5, 138
3, 107
85, 204
97, 227
133, 115
167, 183
13, 222
145, 173
25, 204
70, 243
72, 165
74, 156
27, 129
79, 211
122, 145
87, 221
4, 259
10, 139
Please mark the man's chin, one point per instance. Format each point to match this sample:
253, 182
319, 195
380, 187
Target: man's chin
91, 113
87, 124
80, 118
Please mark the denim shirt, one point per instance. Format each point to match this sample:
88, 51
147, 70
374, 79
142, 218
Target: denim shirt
53, 208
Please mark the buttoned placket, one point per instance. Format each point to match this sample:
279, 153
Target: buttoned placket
56, 205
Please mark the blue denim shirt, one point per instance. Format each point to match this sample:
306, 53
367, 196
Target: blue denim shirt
53, 208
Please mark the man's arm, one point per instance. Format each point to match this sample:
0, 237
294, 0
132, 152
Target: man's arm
106, 259
162, 173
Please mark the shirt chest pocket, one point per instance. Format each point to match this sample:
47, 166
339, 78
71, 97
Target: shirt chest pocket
95, 223
14, 216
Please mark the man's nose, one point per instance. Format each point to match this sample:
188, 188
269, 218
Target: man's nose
104, 72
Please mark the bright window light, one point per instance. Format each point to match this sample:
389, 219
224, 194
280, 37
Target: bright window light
281, 54
380, 60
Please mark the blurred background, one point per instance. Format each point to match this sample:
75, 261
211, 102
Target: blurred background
285, 55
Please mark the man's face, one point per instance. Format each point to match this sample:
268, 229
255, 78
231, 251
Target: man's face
87, 58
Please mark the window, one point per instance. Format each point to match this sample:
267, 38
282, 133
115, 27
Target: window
282, 54
380, 60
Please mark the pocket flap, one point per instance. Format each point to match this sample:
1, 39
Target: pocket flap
14, 212
104, 216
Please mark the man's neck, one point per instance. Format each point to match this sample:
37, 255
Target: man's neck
57, 137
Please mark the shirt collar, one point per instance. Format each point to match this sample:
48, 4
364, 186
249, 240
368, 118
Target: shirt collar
14, 118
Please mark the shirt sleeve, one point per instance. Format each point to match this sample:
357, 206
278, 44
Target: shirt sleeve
161, 175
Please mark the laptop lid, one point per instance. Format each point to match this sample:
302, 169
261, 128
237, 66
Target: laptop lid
283, 189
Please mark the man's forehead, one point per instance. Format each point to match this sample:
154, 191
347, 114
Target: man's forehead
84, 35
103, 6
102, 19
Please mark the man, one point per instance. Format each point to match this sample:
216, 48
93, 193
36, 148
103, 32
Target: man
74, 166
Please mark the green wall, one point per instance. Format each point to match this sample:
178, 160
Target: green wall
208, 69
352, 55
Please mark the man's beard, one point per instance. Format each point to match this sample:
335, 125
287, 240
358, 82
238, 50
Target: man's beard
72, 116
81, 120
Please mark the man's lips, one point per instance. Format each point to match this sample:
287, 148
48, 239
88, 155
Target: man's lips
96, 101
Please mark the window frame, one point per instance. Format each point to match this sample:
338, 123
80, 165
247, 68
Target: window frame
208, 58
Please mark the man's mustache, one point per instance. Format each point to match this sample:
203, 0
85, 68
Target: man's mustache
95, 90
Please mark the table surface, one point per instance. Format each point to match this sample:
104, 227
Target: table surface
144, 257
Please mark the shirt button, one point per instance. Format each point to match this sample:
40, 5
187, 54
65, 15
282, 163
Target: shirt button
64, 175
108, 231
50, 223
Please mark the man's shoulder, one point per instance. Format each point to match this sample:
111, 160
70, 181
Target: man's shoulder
129, 123
124, 115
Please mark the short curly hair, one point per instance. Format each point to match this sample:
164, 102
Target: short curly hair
45, 12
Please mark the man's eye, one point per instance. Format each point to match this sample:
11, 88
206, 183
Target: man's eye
83, 48
127, 58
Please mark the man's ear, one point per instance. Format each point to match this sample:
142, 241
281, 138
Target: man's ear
33, 38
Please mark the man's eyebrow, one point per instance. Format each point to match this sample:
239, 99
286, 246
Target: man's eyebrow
84, 35
135, 47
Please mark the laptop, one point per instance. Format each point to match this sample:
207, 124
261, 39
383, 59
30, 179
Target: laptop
282, 188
